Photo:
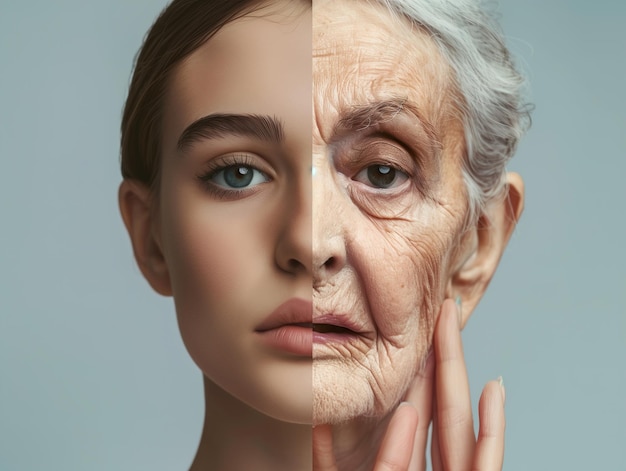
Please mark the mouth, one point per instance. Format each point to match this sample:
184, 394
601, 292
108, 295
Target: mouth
286, 331
332, 329
325, 328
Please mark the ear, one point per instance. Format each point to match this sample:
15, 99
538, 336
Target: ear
483, 245
135, 202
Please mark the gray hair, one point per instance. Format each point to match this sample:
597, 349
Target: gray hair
493, 112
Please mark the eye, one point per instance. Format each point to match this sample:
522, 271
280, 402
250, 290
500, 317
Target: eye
233, 176
236, 177
381, 176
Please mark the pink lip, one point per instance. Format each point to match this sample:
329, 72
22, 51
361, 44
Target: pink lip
288, 328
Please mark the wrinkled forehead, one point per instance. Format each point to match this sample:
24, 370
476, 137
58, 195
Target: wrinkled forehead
364, 54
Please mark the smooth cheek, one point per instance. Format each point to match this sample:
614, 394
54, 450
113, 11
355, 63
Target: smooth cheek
213, 262
220, 256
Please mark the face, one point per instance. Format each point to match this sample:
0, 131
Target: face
388, 205
234, 210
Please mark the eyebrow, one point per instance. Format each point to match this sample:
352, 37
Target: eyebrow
216, 126
361, 117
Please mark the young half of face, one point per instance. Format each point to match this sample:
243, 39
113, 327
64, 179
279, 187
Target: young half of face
230, 229
389, 207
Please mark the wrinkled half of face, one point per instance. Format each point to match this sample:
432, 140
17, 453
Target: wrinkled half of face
389, 203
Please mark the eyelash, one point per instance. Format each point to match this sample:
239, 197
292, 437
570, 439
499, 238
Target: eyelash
214, 167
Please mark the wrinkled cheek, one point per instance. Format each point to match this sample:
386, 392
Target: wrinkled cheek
404, 309
433, 286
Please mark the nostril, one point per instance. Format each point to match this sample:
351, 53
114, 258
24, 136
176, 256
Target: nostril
295, 266
331, 263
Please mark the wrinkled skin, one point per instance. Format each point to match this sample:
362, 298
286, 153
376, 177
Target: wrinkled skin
381, 256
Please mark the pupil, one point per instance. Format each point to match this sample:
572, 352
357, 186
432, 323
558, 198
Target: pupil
238, 176
381, 176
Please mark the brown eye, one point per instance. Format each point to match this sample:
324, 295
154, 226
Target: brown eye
381, 176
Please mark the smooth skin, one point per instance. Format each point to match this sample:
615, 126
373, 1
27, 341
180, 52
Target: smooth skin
454, 446
230, 250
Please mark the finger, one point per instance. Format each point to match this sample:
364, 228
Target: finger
420, 395
490, 444
435, 453
454, 408
323, 454
397, 445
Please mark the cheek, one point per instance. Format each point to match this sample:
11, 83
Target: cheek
210, 256
404, 279
217, 258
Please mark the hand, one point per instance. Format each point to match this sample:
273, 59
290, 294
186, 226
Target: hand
453, 445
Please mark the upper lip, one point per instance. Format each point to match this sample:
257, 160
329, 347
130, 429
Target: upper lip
294, 311
343, 321
298, 311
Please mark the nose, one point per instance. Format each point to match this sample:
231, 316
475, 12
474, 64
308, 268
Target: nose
293, 247
329, 246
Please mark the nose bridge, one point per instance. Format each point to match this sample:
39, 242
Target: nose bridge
293, 251
328, 242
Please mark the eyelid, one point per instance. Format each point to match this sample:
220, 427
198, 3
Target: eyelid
382, 152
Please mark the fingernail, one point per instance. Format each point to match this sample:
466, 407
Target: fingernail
459, 310
502, 390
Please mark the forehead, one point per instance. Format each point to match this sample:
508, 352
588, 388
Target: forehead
257, 64
362, 54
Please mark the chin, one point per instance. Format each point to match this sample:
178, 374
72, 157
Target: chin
340, 398
293, 414
285, 406
344, 393
281, 395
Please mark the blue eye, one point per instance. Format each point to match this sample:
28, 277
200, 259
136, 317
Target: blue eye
381, 176
237, 177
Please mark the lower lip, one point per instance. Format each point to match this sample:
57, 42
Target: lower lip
292, 339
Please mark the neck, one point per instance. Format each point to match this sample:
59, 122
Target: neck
236, 437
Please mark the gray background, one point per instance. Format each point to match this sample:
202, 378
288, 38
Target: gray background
93, 375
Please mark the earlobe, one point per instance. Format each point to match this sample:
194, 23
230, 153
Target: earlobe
483, 245
135, 205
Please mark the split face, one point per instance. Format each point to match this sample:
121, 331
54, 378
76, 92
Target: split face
295, 192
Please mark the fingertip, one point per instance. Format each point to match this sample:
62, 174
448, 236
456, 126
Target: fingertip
490, 444
447, 332
502, 388
491, 408
492, 391
428, 364
396, 448
408, 410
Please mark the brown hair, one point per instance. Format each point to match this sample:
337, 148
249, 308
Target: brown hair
182, 27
